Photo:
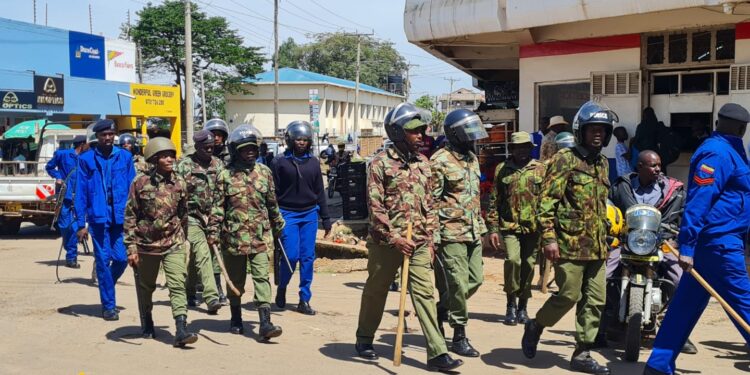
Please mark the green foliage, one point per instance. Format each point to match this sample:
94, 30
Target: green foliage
335, 54
425, 101
217, 50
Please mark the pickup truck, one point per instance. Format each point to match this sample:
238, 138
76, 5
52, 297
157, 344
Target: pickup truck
27, 192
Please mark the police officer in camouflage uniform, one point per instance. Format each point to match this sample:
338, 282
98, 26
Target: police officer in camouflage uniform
220, 130
455, 191
399, 183
128, 142
250, 220
200, 171
155, 226
512, 214
573, 219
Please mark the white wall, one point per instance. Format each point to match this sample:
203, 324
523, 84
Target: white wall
578, 67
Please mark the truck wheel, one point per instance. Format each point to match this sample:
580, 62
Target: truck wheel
634, 321
10, 227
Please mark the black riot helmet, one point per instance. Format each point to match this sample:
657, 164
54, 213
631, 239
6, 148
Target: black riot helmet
404, 116
594, 112
242, 136
129, 139
296, 130
217, 124
463, 128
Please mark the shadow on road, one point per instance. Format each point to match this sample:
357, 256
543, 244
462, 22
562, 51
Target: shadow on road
512, 359
734, 351
346, 352
355, 285
94, 311
132, 335
78, 280
489, 318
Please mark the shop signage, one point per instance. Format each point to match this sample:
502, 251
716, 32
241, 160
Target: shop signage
86, 55
501, 92
314, 103
49, 91
120, 64
17, 100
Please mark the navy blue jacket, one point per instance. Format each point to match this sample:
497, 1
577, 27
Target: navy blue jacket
96, 178
299, 185
63, 162
717, 208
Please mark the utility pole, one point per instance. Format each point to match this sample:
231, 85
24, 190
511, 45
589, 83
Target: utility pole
139, 58
407, 88
128, 32
91, 21
275, 67
46, 10
188, 74
203, 99
450, 93
356, 85
34, 12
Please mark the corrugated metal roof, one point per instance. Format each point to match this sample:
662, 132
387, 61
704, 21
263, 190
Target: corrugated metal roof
291, 75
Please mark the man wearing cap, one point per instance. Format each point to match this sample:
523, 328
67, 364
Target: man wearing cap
712, 234
103, 180
62, 168
200, 171
513, 204
557, 124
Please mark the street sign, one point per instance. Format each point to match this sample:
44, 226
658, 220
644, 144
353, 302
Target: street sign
314, 103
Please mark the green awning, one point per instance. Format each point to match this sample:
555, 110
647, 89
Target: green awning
29, 128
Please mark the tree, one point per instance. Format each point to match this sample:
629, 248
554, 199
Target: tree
425, 101
335, 54
217, 50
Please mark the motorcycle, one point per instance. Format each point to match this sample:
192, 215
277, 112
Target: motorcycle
332, 177
645, 292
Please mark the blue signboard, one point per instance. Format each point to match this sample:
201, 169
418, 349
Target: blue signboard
87, 58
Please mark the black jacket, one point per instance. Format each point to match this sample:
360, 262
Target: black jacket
670, 206
299, 186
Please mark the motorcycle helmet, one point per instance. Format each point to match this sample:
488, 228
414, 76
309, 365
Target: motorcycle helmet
463, 128
593, 112
615, 224
404, 116
296, 130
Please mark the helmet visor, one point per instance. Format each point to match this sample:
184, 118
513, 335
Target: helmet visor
592, 112
470, 129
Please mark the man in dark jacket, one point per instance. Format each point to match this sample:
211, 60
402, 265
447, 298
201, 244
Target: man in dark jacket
646, 186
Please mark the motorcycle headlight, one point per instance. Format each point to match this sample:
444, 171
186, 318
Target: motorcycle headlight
641, 241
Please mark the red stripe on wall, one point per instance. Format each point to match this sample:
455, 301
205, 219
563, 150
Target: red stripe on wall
569, 47
742, 31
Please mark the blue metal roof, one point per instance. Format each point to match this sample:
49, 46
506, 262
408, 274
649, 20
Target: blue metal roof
291, 75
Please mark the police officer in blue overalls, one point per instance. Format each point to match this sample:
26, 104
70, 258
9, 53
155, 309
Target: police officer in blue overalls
62, 168
714, 225
103, 180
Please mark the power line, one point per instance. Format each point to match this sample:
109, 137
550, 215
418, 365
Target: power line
306, 18
337, 16
298, 30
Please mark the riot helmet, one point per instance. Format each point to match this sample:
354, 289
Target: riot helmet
594, 112
404, 116
565, 140
243, 135
128, 139
296, 130
91, 135
217, 124
463, 128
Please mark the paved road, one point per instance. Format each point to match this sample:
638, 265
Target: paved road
54, 328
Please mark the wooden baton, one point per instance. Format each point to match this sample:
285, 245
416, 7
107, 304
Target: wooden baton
402, 304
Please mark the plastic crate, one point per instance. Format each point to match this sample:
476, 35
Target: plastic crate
352, 170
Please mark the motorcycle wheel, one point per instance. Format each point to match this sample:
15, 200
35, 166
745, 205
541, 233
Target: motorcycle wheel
634, 321
331, 189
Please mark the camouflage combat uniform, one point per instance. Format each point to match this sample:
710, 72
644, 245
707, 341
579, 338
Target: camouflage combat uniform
155, 226
399, 193
512, 214
202, 198
549, 147
572, 213
250, 217
455, 191
141, 166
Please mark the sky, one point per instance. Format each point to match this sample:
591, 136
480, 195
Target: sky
253, 19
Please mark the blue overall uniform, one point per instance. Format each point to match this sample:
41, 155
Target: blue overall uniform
61, 166
302, 199
102, 188
714, 224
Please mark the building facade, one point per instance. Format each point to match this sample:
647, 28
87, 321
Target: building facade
461, 98
299, 94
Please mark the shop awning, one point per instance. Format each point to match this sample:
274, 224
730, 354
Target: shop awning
29, 128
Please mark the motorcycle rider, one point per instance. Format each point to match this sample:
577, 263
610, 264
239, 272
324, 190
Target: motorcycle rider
646, 186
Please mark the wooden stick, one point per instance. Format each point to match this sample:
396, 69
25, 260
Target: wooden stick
402, 304
714, 294
224, 271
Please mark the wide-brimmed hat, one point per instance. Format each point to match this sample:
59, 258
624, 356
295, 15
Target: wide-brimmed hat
519, 138
557, 120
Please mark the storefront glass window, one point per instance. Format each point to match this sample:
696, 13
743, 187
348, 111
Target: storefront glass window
562, 99
722, 83
702, 46
666, 85
677, 48
655, 49
693, 83
725, 44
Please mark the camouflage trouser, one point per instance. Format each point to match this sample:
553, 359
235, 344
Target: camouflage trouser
582, 285
381, 266
519, 262
237, 270
175, 272
461, 266
200, 265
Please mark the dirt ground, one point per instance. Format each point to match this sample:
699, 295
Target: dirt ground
51, 328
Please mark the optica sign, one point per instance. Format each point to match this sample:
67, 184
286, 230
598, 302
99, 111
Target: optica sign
86, 55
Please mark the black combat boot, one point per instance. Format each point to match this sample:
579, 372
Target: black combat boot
267, 329
461, 344
442, 317
148, 327
192, 300
72, 264
523, 315
213, 307
689, 348
366, 351
511, 318
582, 362
305, 308
222, 298
443, 363
652, 371
235, 323
182, 337
280, 297
532, 332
